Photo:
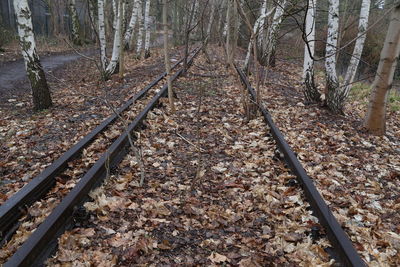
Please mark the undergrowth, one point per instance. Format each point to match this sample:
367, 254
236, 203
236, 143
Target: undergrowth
361, 91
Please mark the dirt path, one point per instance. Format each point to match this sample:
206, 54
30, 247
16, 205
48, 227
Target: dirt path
13, 79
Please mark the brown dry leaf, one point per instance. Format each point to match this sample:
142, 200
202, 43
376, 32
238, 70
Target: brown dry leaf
218, 258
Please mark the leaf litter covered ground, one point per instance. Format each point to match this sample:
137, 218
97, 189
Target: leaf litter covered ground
215, 192
357, 174
140, 75
239, 207
31, 141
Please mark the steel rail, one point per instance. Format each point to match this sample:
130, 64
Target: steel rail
13, 208
336, 235
43, 241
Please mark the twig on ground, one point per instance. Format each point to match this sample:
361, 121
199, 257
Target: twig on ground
190, 143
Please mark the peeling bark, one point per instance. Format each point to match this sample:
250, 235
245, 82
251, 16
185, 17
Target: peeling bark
148, 30
76, 39
40, 90
132, 24
273, 31
258, 26
113, 66
102, 35
270, 38
358, 47
311, 93
332, 83
139, 45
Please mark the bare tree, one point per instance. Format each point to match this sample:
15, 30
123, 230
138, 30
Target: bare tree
188, 30
375, 119
76, 39
231, 19
166, 56
210, 22
40, 90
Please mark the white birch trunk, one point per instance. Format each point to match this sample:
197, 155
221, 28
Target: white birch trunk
310, 91
132, 24
256, 30
148, 30
75, 23
112, 67
332, 82
40, 90
262, 25
102, 34
273, 31
358, 47
139, 44
115, 11
121, 14
375, 119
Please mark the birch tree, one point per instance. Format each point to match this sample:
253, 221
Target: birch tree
268, 55
148, 30
375, 119
132, 23
263, 22
121, 14
76, 39
112, 66
40, 90
139, 44
311, 93
256, 30
358, 47
102, 35
115, 11
332, 82
166, 56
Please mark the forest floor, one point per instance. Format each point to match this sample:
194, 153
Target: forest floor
31, 141
357, 174
215, 192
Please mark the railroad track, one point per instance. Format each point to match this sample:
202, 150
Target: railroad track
343, 247
42, 241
